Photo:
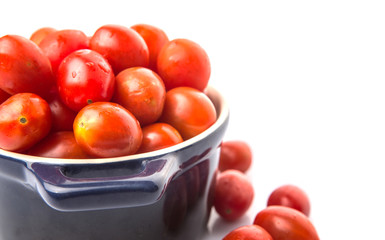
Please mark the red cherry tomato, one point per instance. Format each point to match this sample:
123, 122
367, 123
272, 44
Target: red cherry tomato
3, 96
58, 145
290, 196
142, 92
284, 223
182, 62
248, 232
24, 67
25, 119
235, 155
234, 194
123, 47
105, 129
62, 116
84, 77
155, 39
189, 111
59, 44
158, 136
40, 34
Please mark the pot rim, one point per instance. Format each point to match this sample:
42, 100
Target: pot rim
222, 112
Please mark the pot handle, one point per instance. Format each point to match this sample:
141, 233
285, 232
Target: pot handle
83, 187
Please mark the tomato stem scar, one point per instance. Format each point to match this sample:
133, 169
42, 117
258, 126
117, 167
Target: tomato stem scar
23, 120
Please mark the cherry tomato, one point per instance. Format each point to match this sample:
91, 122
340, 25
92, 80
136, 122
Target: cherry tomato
189, 111
3, 96
40, 34
24, 67
290, 196
284, 223
235, 154
248, 232
182, 62
59, 44
58, 145
25, 119
123, 47
84, 77
142, 92
62, 116
155, 39
105, 129
158, 136
234, 194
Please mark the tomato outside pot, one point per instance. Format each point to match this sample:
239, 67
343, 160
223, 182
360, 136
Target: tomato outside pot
141, 196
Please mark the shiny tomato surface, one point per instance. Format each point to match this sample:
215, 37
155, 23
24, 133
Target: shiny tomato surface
38, 35
155, 39
248, 232
106, 129
123, 47
85, 77
142, 92
24, 67
189, 111
60, 144
182, 62
25, 119
284, 223
158, 136
235, 154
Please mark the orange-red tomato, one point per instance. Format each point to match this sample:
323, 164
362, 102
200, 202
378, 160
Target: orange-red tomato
24, 68
284, 223
58, 145
158, 136
182, 62
248, 232
106, 129
123, 47
40, 34
155, 39
142, 92
189, 111
25, 119
235, 154
290, 196
233, 195
59, 44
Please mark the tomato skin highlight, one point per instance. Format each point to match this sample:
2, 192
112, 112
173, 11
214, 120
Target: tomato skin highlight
142, 92
235, 154
234, 194
60, 144
24, 68
123, 47
183, 63
158, 136
189, 111
38, 35
284, 223
84, 77
290, 196
106, 129
25, 119
248, 232
59, 44
155, 39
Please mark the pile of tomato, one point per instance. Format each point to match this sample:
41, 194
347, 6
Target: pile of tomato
121, 91
286, 216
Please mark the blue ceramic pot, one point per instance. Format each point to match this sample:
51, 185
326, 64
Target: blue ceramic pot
165, 194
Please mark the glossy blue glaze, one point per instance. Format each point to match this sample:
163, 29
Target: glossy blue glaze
166, 194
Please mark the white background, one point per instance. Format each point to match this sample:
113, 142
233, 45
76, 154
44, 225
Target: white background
304, 81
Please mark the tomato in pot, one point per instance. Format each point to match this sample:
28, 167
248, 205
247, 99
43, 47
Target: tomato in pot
24, 68
25, 119
123, 47
189, 111
142, 92
106, 129
85, 77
